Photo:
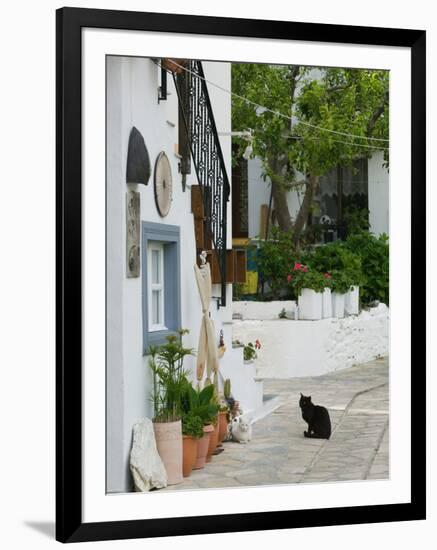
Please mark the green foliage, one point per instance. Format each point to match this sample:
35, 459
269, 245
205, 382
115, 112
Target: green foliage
339, 99
335, 256
303, 276
201, 403
249, 352
192, 425
275, 255
340, 282
356, 220
374, 254
169, 378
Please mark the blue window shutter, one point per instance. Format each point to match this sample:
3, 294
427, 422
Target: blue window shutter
169, 236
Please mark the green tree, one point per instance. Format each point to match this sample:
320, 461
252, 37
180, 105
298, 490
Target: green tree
349, 101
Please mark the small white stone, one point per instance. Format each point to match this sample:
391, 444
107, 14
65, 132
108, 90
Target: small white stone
146, 466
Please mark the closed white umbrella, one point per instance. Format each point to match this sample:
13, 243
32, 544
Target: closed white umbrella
207, 350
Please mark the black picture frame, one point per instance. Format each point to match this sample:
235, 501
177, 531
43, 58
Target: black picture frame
69, 525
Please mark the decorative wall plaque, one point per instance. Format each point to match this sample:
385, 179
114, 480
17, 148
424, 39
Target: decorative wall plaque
132, 234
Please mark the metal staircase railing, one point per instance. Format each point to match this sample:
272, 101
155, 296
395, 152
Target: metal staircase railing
207, 157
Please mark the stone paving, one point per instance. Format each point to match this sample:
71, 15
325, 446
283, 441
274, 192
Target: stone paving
358, 402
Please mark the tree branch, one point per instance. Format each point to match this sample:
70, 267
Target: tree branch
376, 114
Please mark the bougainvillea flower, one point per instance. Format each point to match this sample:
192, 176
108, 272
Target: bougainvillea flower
289, 278
297, 267
304, 268
328, 276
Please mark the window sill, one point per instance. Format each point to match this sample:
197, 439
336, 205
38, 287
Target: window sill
158, 337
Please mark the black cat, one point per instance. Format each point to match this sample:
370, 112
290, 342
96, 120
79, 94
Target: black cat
317, 417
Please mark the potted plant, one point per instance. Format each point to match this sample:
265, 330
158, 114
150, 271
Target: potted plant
224, 412
338, 257
250, 351
308, 285
326, 297
214, 420
192, 431
169, 380
200, 403
340, 284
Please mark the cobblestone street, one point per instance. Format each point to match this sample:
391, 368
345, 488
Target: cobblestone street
358, 402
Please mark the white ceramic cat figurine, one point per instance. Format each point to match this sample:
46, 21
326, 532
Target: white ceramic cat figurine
241, 429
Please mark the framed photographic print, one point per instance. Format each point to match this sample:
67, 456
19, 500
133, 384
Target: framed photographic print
240, 330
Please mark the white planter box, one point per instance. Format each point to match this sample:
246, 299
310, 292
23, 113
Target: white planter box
352, 301
326, 304
338, 305
310, 305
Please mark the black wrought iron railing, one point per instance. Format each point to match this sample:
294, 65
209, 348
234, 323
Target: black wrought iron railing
207, 157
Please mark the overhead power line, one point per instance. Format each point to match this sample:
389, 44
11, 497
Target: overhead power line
282, 115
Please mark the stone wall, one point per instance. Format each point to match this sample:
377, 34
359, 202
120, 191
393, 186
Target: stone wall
312, 348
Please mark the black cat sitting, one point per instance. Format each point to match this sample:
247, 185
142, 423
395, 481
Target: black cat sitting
317, 417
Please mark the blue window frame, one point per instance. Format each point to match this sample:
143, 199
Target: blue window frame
162, 289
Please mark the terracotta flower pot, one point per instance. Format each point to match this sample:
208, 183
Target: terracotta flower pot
222, 425
213, 442
202, 447
189, 454
174, 65
168, 436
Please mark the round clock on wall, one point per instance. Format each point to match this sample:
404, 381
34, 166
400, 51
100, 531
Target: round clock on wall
163, 184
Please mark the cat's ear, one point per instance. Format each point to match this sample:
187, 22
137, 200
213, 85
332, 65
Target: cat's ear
301, 394
309, 398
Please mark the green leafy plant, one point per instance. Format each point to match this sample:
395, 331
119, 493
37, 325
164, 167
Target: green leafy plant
336, 256
374, 254
302, 276
169, 378
340, 282
249, 351
275, 255
201, 403
192, 425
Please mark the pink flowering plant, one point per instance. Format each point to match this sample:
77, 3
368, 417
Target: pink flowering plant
302, 276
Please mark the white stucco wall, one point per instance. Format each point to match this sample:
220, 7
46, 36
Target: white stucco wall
312, 348
263, 310
132, 88
379, 194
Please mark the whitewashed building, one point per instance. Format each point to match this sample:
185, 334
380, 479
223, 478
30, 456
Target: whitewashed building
151, 287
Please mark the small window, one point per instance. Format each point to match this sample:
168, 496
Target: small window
156, 286
161, 282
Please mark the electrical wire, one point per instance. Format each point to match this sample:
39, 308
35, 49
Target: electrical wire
278, 113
